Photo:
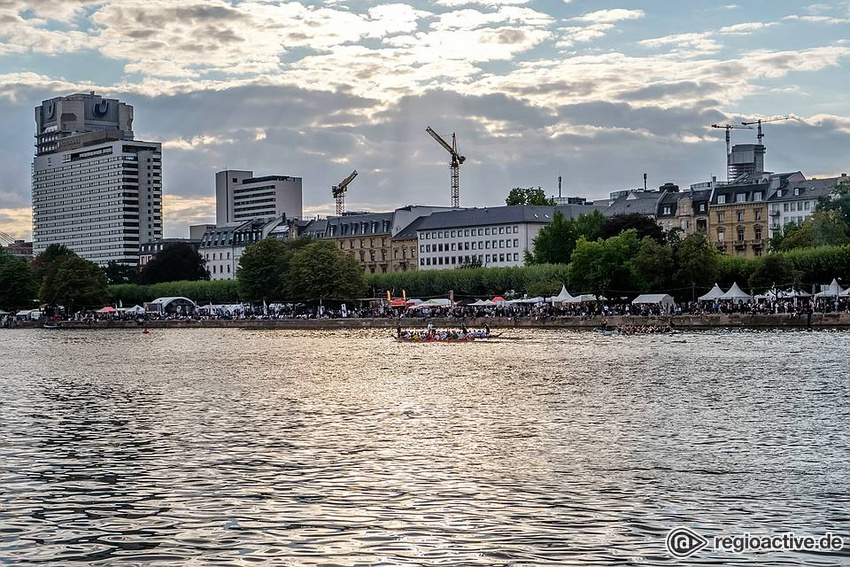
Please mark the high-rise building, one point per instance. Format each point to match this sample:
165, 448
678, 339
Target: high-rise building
239, 196
745, 159
94, 188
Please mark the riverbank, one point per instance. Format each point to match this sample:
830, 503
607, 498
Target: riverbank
693, 322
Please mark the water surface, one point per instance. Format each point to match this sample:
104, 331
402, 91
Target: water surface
234, 447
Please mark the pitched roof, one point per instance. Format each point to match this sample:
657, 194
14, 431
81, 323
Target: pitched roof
808, 189
640, 202
409, 232
502, 215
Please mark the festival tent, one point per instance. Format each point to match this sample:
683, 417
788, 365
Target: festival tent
845, 293
714, 294
498, 298
107, 309
735, 293
433, 303
562, 297
654, 299
585, 298
832, 290
478, 303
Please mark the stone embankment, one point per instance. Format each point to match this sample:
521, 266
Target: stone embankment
701, 322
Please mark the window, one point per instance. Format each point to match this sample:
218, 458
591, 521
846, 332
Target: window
516, 257
466, 245
796, 191
473, 245
453, 234
667, 210
454, 246
721, 235
487, 231
508, 243
757, 196
466, 232
757, 214
721, 199
758, 232
702, 207
487, 244
501, 230
740, 216
501, 257
516, 229
807, 204
785, 207
480, 232
487, 258
740, 235
719, 217
740, 197
516, 242
501, 244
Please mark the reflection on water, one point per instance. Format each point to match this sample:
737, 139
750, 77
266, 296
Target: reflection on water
345, 448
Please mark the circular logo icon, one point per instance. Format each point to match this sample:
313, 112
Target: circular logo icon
682, 542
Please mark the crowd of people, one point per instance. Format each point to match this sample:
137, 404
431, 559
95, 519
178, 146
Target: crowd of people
431, 333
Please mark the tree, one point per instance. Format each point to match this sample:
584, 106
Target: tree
17, 283
46, 262
555, 242
120, 273
787, 230
178, 261
588, 225
529, 196
605, 266
75, 282
262, 270
652, 264
696, 262
642, 224
774, 270
319, 270
839, 203
824, 228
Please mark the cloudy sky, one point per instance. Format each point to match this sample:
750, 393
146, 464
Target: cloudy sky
598, 91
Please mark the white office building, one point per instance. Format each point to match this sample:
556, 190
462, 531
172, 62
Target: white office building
492, 237
797, 200
95, 189
239, 196
222, 246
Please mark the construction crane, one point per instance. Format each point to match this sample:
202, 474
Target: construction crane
729, 127
761, 121
457, 161
339, 192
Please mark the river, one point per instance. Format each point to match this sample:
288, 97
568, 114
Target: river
242, 447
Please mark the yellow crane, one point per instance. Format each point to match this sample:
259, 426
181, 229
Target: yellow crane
339, 192
457, 161
761, 121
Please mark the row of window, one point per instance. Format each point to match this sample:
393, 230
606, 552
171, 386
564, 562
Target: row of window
792, 206
473, 245
740, 215
757, 232
484, 259
467, 232
740, 198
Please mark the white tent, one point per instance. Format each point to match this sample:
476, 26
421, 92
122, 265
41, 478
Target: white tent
432, 303
715, 293
563, 297
138, 309
792, 294
845, 293
832, 290
735, 293
585, 298
654, 299
478, 303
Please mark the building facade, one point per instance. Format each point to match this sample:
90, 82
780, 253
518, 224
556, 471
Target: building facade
798, 199
239, 196
222, 246
492, 237
94, 188
738, 217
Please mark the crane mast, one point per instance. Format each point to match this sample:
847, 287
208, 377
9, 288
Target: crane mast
728, 128
339, 192
454, 165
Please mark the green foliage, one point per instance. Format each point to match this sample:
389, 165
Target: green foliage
732, 269
696, 262
263, 268
120, 273
652, 265
838, 203
18, 287
529, 196
200, 291
47, 261
73, 282
777, 240
774, 270
643, 225
320, 270
178, 261
606, 266
555, 242
824, 228
477, 282
819, 265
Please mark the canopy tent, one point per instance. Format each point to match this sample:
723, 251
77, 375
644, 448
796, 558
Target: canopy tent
845, 293
792, 294
526, 301
654, 299
714, 294
432, 303
498, 298
585, 298
133, 309
735, 293
107, 309
831, 290
562, 297
398, 303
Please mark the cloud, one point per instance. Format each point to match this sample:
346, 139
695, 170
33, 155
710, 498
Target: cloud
611, 16
16, 222
745, 28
